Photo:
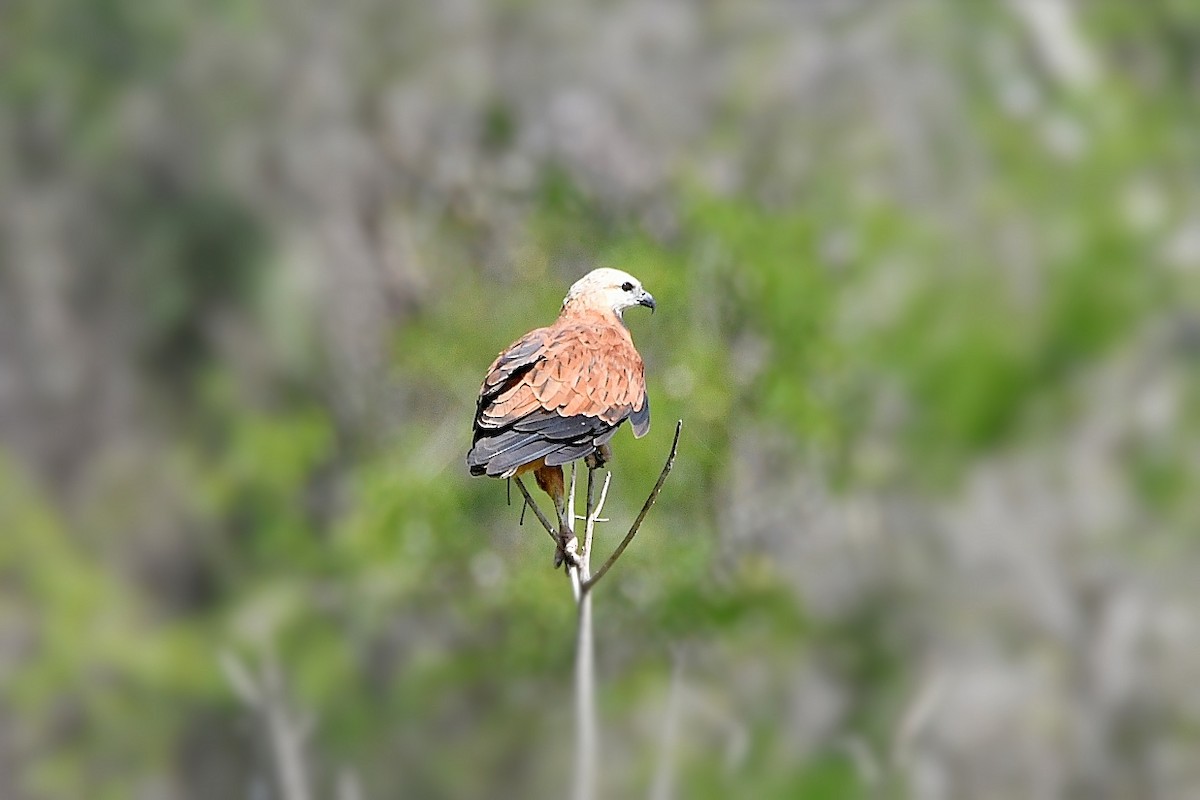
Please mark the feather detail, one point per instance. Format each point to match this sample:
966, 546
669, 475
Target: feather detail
558, 393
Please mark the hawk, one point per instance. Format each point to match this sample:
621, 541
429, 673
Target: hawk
559, 393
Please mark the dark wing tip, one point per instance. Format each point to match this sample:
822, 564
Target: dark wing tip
558, 439
640, 419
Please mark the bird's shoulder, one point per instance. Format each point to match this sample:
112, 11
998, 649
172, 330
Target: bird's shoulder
568, 335
594, 331
560, 367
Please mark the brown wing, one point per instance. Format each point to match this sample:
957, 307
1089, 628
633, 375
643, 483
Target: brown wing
557, 393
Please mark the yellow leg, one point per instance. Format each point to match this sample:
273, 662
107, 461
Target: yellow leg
550, 480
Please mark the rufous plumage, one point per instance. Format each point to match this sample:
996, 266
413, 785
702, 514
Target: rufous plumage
560, 393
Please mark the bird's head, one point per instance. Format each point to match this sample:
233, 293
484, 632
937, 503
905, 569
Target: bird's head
608, 289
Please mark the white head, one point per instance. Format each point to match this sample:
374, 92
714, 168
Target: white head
608, 289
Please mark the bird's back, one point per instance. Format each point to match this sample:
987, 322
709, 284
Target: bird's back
558, 394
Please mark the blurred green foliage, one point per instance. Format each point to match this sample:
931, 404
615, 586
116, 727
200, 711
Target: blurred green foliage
336, 558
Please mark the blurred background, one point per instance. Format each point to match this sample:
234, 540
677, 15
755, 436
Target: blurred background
927, 285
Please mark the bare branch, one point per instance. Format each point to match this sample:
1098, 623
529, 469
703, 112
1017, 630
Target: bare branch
574, 568
571, 497
593, 517
591, 504
586, 739
541, 517
637, 523
584, 773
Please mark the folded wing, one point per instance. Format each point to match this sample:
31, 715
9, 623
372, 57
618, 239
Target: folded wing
557, 393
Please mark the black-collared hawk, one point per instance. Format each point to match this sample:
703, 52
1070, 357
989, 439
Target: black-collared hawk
559, 393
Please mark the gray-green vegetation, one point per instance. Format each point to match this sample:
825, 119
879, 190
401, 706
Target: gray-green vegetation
927, 285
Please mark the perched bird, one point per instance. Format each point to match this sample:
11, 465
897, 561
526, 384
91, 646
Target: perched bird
559, 393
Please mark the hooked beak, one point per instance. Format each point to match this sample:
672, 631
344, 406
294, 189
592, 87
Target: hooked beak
647, 300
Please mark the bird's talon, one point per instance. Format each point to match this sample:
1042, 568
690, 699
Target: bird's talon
567, 553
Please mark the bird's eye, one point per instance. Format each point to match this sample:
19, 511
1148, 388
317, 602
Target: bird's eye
626, 287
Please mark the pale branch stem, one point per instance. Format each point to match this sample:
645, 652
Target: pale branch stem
573, 572
584, 774
591, 505
571, 498
637, 523
593, 517
575, 577
586, 740
586, 737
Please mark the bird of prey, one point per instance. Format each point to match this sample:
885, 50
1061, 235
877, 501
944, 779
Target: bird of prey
559, 393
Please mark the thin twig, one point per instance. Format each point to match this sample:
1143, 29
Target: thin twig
637, 523
591, 505
541, 517
590, 526
571, 499
573, 571
573, 575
